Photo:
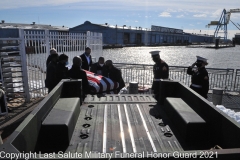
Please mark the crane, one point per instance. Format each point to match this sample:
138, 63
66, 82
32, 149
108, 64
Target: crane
223, 22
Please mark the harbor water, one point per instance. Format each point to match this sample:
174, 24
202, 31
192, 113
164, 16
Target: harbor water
177, 56
173, 55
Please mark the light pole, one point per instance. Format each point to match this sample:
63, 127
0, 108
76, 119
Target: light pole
123, 34
116, 34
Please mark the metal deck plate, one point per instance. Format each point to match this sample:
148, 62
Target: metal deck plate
121, 128
123, 98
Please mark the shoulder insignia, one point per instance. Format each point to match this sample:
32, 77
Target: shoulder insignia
164, 68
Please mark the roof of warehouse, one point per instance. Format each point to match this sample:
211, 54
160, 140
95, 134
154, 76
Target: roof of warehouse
33, 26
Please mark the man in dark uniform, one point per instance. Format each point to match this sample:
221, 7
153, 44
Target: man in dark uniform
86, 59
160, 71
98, 67
110, 71
200, 79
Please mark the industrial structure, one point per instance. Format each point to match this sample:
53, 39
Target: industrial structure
222, 23
130, 36
114, 35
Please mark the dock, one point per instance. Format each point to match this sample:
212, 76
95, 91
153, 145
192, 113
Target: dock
211, 46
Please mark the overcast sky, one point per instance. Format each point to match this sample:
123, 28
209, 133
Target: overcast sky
190, 15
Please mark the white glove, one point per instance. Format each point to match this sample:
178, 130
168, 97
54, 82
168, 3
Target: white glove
193, 64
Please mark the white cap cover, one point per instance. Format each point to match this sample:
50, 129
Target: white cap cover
153, 53
53, 51
201, 59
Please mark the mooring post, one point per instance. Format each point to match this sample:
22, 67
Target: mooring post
133, 88
216, 43
217, 96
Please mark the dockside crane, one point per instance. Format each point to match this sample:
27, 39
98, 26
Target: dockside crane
223, 22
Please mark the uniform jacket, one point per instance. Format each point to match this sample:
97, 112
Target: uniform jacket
85, 64
200, 77
159, 73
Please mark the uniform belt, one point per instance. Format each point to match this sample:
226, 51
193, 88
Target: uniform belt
156, 79
196, 86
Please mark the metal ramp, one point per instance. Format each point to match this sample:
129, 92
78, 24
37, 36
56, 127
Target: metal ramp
11, 69
119, 129
12, 74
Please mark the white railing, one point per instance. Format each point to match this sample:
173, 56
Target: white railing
38, 45
228, 79
34, 48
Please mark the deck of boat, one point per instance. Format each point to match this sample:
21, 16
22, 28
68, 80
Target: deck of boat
181, 121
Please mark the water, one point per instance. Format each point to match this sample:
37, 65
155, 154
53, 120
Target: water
176, 56
173, 55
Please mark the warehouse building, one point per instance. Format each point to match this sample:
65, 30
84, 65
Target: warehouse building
114, 35
157, 35
11, 30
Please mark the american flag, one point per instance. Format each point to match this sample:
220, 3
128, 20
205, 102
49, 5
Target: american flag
101, 84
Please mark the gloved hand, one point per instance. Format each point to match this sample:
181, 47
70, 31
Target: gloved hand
193, 64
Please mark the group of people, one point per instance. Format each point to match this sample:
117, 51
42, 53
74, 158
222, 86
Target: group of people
200, 78
57, 70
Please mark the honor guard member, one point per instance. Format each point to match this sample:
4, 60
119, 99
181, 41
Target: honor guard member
200, 79
160, 71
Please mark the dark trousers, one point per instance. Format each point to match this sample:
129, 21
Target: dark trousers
155, 88
199, 91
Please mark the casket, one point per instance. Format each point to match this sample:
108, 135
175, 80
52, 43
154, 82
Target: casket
101, 84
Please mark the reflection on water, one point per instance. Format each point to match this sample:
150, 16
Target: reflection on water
173, 55
176, 55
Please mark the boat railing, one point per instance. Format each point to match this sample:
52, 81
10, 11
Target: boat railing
227, 79
237, 80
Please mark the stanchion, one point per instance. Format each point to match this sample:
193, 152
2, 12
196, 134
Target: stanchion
217, 96
133, 88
